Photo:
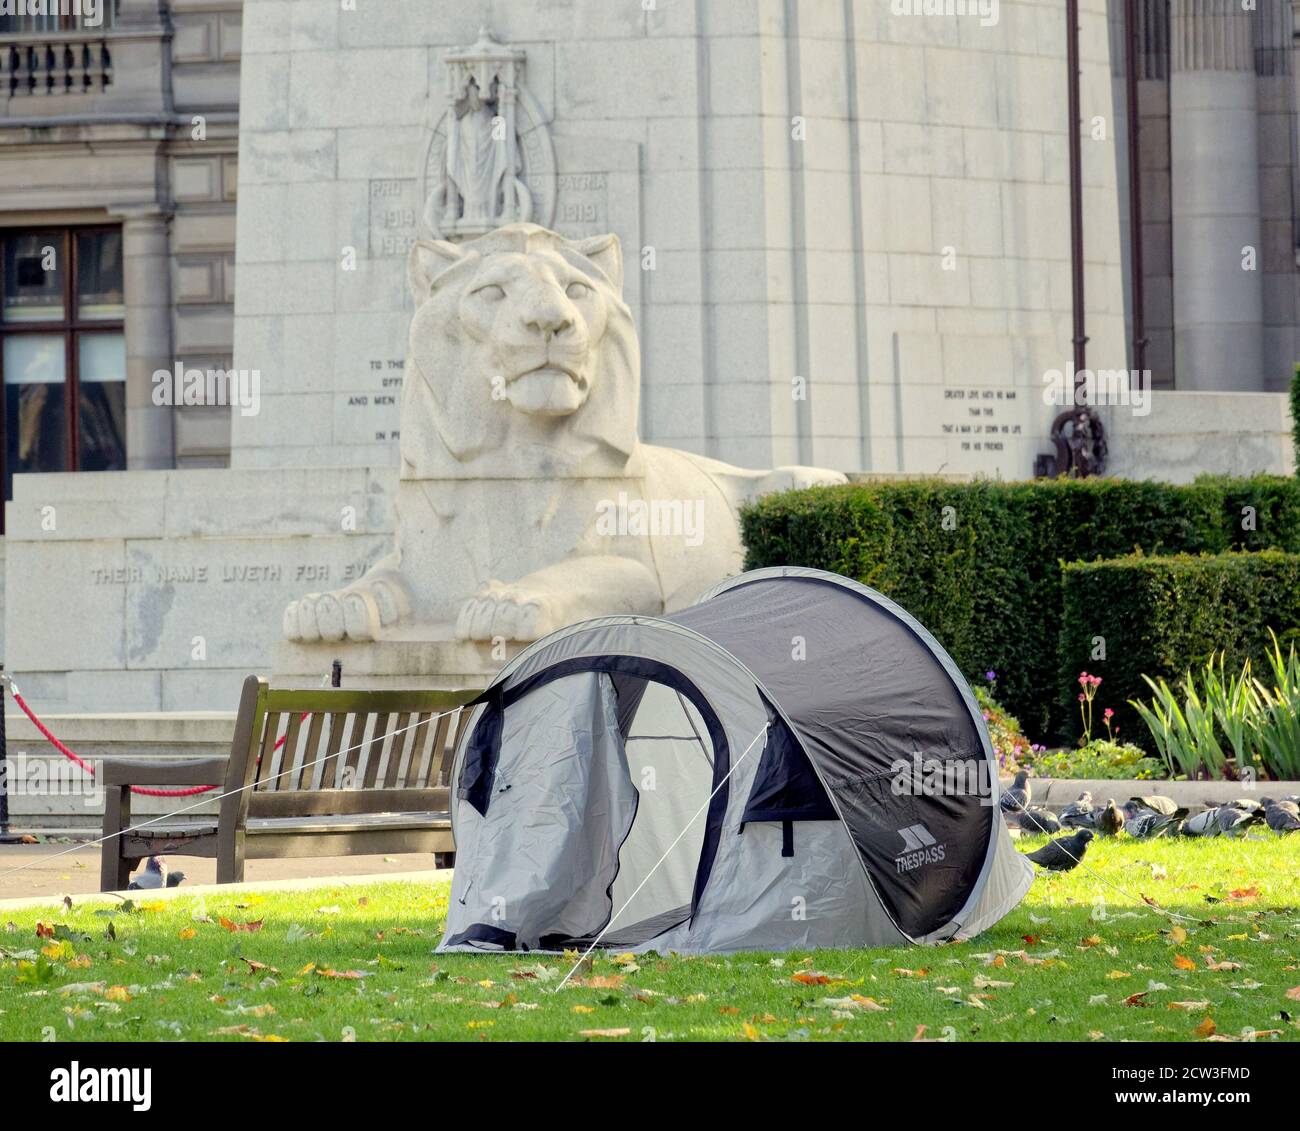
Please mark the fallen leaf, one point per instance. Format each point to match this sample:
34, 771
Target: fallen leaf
583, 1009
611, 1033
187, 933
602, 981
351, 975
1091, 940
1115, 975
1193, 1006
117, 993
255, 925
806, 979
1210, 962
1206, 1028
1137, 999
1182, 962
1293, 993
258, 967
1242, 895
1178, 935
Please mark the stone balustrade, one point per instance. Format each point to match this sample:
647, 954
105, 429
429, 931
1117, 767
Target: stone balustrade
54, 63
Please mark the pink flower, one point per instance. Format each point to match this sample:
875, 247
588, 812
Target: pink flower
1108, 713
1081, 697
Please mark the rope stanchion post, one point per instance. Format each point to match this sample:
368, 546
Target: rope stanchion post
4, 767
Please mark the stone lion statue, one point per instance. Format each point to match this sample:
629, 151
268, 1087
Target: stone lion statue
526, 500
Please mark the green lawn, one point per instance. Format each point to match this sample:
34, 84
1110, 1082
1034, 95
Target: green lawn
345, 963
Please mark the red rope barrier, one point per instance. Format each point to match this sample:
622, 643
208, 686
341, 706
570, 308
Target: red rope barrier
190, 792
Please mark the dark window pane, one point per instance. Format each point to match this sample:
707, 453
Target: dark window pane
101, 404
99, 275
35, 425
33, 277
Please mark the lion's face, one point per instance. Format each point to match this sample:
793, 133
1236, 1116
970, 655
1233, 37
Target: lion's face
522, 341
534, 320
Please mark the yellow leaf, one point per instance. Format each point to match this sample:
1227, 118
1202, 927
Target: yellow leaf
1092, 940
583, 1009
116, 993
1206, 1028
307, 969
1178, 935
1115, 975
751, 1032
187, 933
478, 1024
57, 951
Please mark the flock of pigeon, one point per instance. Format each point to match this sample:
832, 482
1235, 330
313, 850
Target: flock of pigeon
1139, 817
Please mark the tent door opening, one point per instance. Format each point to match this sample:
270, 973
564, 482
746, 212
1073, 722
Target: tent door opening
596, 807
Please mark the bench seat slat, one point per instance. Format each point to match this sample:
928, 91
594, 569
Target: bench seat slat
320, 802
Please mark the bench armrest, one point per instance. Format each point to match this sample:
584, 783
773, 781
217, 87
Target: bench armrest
163, 771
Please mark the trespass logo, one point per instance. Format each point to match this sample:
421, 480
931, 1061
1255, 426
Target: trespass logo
919, 848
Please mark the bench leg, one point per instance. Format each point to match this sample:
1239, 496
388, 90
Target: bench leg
444, 860
230, 859
114, 868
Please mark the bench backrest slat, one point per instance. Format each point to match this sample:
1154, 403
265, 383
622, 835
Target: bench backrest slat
309, 767
330, 765
375, 750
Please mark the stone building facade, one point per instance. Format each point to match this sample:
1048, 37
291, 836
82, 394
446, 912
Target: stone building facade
118, 174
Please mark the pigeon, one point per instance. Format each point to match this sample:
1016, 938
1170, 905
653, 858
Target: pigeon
1078, 814
1222, 820
1109, 820
1155, 802
1039, 821
153, 875
1062, 855
1017, 797
1147, 824
1282, 816
175, 879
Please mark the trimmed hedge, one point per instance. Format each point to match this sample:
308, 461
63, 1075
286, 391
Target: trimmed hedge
979, 564
1160, 616
1295, 415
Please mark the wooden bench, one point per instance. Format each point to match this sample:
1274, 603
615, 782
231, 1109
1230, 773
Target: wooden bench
358, 772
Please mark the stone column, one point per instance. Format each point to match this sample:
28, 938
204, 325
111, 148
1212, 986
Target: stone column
1214, 185
146, 268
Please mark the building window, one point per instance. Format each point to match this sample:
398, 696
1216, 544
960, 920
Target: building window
62, 351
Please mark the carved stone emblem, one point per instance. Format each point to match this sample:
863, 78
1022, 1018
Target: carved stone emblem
490, 160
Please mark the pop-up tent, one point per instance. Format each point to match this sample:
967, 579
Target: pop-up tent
791, 762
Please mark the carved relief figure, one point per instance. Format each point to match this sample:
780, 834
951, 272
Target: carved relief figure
518, 443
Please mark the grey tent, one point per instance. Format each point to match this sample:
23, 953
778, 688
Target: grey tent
791, 762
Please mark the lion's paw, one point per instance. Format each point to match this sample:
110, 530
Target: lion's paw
359, 612
506, 611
